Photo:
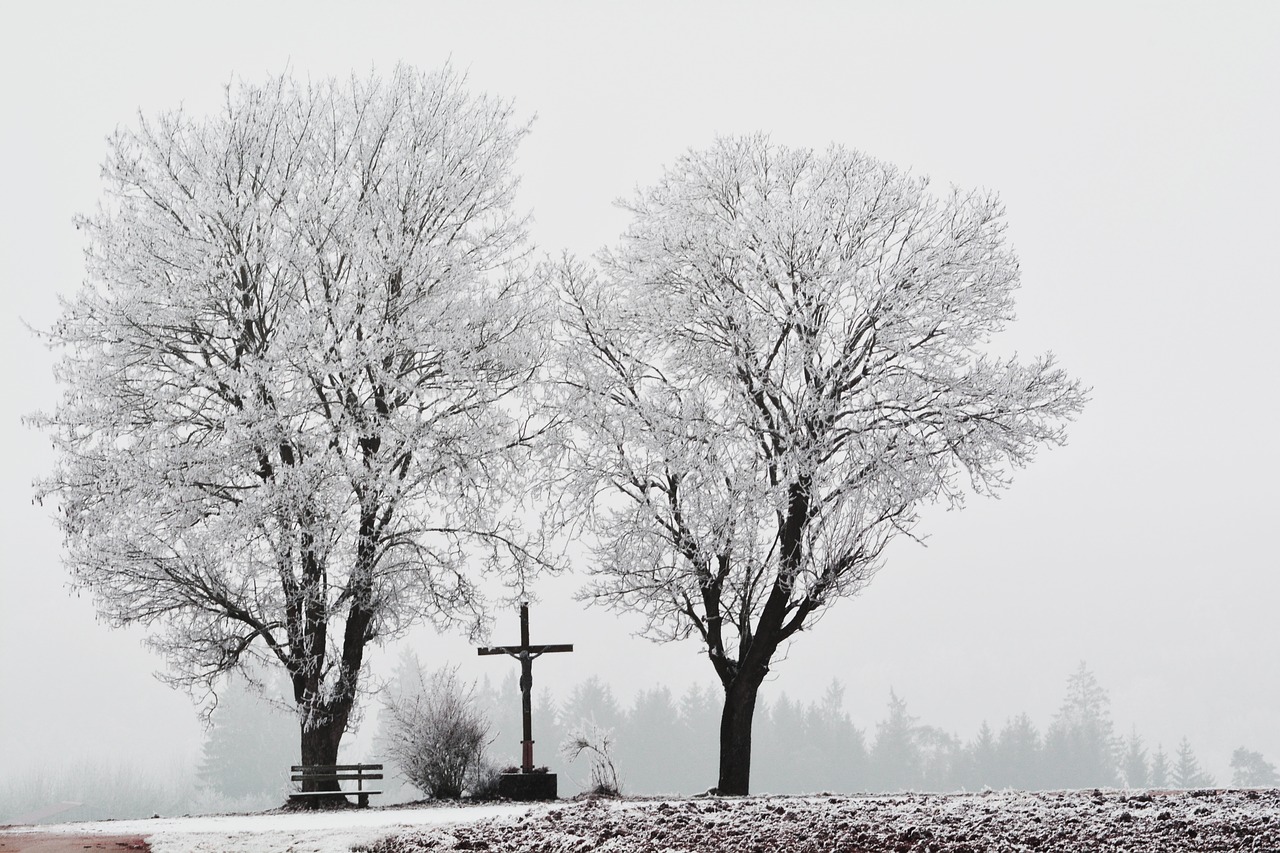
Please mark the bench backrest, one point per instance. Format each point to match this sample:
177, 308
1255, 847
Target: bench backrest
339, 772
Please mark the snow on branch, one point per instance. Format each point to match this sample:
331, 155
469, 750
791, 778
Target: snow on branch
778, 365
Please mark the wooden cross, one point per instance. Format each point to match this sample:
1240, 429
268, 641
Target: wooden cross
525, 653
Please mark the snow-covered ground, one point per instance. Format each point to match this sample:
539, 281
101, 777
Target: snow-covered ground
991, 822
278, 832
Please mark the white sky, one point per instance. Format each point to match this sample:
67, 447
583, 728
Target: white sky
1135, 148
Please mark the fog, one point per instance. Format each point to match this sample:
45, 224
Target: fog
1134, 148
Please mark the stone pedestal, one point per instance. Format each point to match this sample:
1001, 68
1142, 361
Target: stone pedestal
527, 786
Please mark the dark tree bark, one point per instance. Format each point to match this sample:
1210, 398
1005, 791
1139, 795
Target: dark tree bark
779, 619
324, 721
735, 737
320, 747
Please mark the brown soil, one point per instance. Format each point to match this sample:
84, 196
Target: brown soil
58, 842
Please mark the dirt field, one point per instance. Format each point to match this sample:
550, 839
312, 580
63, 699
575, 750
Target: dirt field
1048, 822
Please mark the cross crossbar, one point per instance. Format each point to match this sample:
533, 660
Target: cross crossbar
533, 650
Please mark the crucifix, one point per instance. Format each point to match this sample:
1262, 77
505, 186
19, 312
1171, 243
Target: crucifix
525, 653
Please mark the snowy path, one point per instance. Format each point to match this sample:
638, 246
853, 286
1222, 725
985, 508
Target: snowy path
295, 832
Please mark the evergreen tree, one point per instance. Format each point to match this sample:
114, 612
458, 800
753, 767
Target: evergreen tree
1250, 770
700, 726
549, 729
1080, 746
592, 701
653, 744
250, 745
1159, 768
1137, 772
1019, 754
803, 749
941, 759
488, 700
507, 719
502, 707
1187, 772
841, 753
981, 768
895, 755
783, 746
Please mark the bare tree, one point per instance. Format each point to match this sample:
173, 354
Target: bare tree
778, 366
290, 424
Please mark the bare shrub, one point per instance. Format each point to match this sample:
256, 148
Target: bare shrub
597, 743
435, 734
486, 783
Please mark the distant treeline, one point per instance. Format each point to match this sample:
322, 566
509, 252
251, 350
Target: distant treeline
668, 744
96, 789
663, 744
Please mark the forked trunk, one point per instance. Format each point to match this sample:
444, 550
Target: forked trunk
735, 737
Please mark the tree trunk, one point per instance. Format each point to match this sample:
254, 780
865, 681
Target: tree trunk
320, 747
735, 736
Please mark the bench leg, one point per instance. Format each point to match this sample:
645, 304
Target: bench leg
363, 799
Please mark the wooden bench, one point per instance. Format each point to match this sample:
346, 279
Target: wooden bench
357, 773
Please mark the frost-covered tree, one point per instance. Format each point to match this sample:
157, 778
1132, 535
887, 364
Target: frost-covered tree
776, 369
1186, 772
289, 424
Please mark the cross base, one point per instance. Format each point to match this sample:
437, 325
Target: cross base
527, 786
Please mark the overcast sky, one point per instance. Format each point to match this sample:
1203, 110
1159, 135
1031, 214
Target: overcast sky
1135, 146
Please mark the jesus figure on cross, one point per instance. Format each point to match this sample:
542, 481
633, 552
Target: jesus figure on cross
525, 653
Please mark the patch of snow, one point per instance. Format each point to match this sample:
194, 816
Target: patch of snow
278, 832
